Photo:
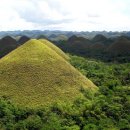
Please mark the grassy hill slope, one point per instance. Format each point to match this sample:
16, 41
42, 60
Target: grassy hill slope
55, 48
34, 75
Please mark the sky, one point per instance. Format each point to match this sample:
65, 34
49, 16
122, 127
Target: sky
67, 15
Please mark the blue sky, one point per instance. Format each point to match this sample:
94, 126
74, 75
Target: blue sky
75, 15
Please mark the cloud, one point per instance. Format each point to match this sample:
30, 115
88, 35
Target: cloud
76, 15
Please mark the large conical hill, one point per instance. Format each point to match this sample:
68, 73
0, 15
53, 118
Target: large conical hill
34, 75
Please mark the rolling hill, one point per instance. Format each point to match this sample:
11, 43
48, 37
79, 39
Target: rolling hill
55, 48
120, 47
23, 39
76, 45
97, 47
59, 38
99, 38
7, 44
100, 47
41, 37
34, 75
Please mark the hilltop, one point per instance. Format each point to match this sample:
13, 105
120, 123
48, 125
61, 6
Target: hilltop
76, 45
55, 48
99, 38
34, 75
7, 44
120, 47
58, 37
23, 39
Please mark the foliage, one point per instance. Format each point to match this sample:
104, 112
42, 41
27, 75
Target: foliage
99, 113
103, 74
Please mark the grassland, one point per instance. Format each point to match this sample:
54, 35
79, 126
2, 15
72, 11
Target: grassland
34, 75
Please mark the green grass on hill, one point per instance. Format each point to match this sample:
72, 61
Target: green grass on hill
34, 75
55, 48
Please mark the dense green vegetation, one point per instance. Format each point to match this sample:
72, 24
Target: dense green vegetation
103, 74
107, 109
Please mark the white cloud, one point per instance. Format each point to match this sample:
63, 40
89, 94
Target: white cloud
86, 15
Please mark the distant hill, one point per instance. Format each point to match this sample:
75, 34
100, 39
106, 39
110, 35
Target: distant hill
23, 39
42, 37
122, 38
99, 38
58, 38
76, 45
74, 38
34, 75
52, 36
120, 47
7, 44
55, 33
97, 46
100, 47
55, 48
